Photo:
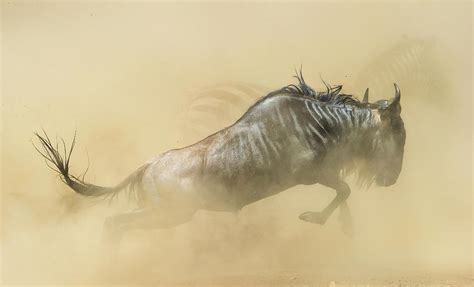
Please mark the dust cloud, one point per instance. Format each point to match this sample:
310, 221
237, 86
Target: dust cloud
123, 74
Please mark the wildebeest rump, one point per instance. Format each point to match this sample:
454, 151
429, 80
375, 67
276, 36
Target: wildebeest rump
294, 135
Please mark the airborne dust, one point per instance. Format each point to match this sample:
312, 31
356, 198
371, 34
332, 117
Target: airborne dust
124, 75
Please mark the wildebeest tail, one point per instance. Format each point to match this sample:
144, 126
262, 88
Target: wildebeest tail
59, 162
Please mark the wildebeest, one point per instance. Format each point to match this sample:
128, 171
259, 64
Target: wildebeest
294, 135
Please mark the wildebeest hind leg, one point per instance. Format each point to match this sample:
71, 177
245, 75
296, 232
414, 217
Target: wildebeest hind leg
145, 218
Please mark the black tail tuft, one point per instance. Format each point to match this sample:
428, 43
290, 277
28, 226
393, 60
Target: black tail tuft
60, 163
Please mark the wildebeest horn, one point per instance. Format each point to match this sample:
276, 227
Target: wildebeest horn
396, 99
394, 105
366, 96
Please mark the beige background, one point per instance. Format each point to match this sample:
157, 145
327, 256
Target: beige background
123, 75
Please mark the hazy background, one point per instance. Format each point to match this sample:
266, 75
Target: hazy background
124, 75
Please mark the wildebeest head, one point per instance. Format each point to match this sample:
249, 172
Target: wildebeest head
390, 141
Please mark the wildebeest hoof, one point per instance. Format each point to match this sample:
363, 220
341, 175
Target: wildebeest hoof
346, 223
314, 217
348, 229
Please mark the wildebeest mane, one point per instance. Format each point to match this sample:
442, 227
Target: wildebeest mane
331, 96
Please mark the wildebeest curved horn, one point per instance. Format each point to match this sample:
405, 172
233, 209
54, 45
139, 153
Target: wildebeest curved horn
366, 96
394, 104
396, 99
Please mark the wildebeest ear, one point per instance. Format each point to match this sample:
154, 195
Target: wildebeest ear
394, 108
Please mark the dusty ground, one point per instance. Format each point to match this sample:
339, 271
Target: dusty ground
309, 278
125, 75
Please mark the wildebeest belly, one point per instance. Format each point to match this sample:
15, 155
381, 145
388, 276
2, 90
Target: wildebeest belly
224, 195
236, 183
230, 175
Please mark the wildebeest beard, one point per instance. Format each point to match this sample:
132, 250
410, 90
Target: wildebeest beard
294, 135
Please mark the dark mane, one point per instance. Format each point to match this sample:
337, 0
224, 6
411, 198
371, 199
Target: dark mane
331, 96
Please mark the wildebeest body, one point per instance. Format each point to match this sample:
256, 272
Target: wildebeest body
277, 144
291, 136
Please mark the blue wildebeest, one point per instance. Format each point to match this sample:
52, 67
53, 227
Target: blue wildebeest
294, 135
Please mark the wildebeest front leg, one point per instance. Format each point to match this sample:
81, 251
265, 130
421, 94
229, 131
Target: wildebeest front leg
342, 193
345, 218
